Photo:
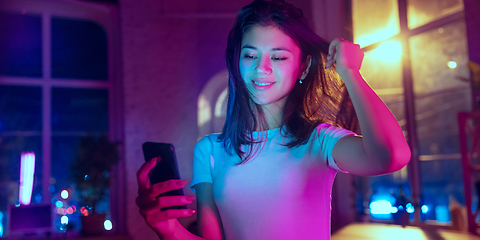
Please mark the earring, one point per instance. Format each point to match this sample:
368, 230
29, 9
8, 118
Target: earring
300, 81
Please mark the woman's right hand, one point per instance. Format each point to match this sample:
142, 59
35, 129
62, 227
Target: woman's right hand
164, 223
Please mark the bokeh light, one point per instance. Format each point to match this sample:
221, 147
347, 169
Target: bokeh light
59, 204
84, 211
424, 209
1, 225
108, 225
38, 198
382, 207
64, 220
64, 194
410, 208
452, 64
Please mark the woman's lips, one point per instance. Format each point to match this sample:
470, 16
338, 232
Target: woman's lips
262, 85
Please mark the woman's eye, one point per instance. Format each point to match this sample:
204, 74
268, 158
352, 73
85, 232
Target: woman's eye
248, 56
279, 58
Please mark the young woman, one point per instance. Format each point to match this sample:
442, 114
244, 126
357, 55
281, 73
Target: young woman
269, 174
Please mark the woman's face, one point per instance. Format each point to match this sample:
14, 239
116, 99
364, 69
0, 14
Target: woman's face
269, 64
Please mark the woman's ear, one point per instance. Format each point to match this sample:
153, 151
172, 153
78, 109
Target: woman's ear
306, 67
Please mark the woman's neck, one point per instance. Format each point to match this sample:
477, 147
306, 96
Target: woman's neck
273, 114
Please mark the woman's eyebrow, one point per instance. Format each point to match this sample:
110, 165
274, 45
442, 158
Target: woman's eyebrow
280, 49
249, 47
273, 49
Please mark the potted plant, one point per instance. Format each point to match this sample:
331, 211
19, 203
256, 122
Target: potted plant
91, 173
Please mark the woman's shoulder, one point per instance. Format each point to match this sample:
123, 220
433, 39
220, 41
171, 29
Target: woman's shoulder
208, 141
323, 127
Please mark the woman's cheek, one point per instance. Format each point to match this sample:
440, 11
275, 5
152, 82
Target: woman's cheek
244, 69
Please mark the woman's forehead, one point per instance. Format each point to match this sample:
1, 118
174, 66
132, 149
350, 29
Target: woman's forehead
268, 38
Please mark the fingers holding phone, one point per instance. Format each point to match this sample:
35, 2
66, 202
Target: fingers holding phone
159, 210
142, 175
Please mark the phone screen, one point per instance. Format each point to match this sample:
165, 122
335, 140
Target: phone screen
166, 168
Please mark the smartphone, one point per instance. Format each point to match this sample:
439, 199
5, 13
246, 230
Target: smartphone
165, 169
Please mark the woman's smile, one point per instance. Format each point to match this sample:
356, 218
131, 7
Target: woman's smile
262, 85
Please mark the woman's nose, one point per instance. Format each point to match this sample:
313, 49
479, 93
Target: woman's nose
264, 65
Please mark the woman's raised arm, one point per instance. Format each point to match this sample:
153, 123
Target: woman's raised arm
382, 147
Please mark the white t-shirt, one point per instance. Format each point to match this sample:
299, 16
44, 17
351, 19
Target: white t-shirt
281, 193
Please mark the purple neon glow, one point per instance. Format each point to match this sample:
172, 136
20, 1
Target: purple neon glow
27, 170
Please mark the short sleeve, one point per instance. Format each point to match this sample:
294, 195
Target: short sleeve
328, 136
201, 162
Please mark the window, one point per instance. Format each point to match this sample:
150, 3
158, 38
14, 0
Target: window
56, 86
421, 44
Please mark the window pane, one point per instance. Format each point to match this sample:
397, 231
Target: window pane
374, 20
383, 71
64, 152
79, 109
421, 12
439, 63
20, 45
20, 108
10, 151
79, 49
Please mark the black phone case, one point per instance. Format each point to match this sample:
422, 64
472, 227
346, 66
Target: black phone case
165, 169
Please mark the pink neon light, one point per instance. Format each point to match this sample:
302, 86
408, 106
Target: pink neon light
27, 170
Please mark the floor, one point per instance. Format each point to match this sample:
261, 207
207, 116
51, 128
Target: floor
376, 231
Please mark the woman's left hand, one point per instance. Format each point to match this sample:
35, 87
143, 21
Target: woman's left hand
347, 55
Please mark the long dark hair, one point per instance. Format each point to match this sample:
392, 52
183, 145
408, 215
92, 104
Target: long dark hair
321, 98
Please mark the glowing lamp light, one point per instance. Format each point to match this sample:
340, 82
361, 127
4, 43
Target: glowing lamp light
64, 220
64, 194
389, 51
424, 209
382, 207
452, 64
27, 171
410, 208
108, 225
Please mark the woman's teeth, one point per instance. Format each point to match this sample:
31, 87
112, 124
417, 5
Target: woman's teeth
262, 84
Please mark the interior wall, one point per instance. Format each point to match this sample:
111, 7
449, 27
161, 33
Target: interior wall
169, 51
